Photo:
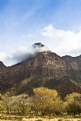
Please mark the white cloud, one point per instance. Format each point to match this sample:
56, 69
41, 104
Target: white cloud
68, 42
21, 54
2, 56
6, 58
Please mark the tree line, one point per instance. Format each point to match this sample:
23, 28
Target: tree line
44, 102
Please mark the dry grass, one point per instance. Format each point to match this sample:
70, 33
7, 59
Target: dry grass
21, 118
45, 119
54, 119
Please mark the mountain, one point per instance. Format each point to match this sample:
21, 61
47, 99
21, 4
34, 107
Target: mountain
44, 68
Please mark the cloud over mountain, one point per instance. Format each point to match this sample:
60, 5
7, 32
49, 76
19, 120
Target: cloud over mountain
22, 54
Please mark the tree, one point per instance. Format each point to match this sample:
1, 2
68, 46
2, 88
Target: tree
14, 104
3, 104
17, 104
46, 101
73, 103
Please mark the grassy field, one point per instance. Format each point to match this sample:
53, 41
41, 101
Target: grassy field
25, 118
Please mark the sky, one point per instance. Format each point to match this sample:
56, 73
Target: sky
54, 23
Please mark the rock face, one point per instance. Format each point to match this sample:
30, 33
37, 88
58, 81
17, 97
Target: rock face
43, 64
73, 67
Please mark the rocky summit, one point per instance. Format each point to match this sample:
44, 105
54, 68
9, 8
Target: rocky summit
45, 69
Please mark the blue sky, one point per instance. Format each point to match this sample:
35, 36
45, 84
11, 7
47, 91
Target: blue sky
55, 23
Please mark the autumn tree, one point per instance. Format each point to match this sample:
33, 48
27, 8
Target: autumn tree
46, 101
73, 103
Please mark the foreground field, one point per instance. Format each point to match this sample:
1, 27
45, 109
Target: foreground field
25, 118
54, 119
45, 119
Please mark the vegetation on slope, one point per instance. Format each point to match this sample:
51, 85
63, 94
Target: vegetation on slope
59, 84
